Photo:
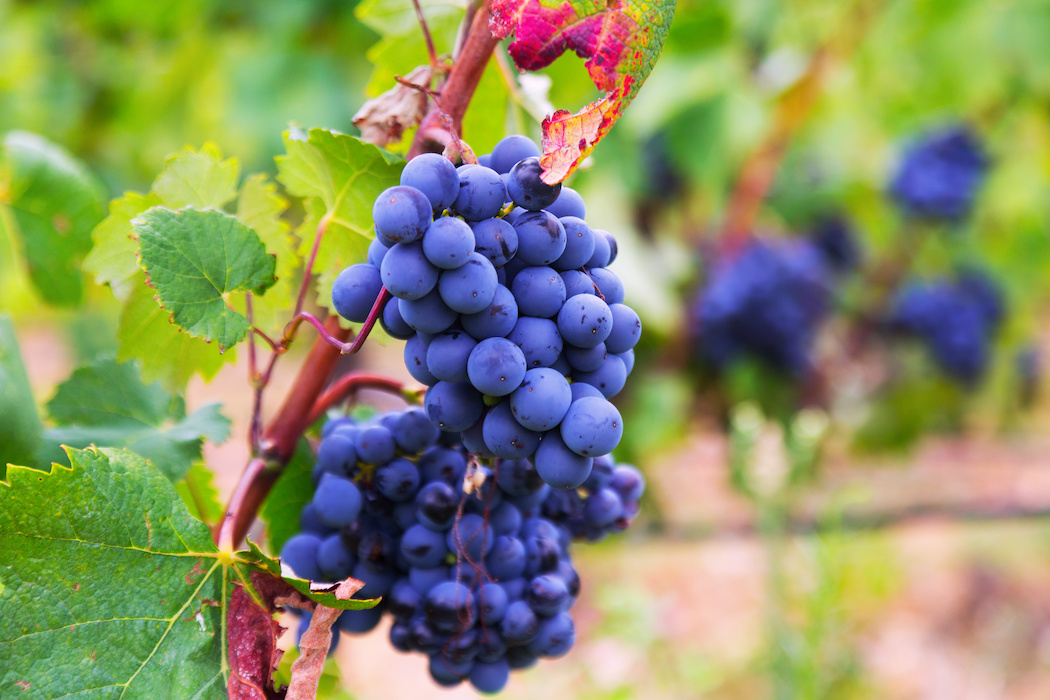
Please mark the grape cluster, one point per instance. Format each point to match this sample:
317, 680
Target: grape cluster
511, 317
955, 318
938, 176
767, 303
472, 561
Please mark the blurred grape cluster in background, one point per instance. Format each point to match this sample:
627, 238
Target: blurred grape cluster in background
834, 223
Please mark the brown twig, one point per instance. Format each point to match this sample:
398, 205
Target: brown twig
431, 51
458, 90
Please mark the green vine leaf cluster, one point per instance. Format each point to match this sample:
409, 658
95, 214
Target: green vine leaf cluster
110, 586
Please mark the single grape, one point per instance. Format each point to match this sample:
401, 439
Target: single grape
489, 677
542, 399
392, 322
416, 360
453, 406
526, 187
337, 454
518, 478
428, 314
436, 505
360, 621
377, 583
496, 367
555, 637
602, 251
603, 508
585, 359
626, 329
547, 595
538, 339
334, 560
413, 431
592, 427
519, 625
404, 601
337, 501
423, 547
496, 320
377, 552
511, 150
401, 215
577, 282
492, 603
628, 482
496, 239
608, 284
355, 290
481, 193
585, 321
470, 288
541, 238
448, 242
568, 203
375, 445
300, 553
614, 247
398, 480
505, 519
558, 465
579, 244
608, 379
450, 607
447, 355
406, 272
442, 464
505, 436
434, 176
539, 291
376, 252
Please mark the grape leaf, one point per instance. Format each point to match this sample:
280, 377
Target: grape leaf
147, 334
106, 404
20, 429
398, 17
54, 201
621, 42
293, 490
260, 208
111, 587
340, 176
199, 494
197, 179
112, 258
196, 258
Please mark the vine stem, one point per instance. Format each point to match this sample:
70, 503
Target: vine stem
347, 386
456, 93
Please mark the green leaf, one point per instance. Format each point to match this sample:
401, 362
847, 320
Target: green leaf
112, 259
340, 176
398, 17
293, 490
197, 179
261, 209
195, 259
200, 495
165, 353
49, 202
20, 429
106, 404
110, 587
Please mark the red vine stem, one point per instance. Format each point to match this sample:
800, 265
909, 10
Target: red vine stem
458, 90
348, 385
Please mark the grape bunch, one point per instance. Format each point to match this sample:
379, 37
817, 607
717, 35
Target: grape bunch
955, 318
511, 317
938, 176
766, 303
472, 561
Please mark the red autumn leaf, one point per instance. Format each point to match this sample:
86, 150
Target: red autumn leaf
621, 40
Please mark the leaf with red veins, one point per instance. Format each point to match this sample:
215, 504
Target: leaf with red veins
621, 40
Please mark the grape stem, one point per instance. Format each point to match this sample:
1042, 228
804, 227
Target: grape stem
347, 387
435, 66
456, 93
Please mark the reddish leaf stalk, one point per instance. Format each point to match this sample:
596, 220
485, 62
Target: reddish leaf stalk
431, 51
459, 88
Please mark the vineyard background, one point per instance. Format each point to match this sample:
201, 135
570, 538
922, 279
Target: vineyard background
916, 562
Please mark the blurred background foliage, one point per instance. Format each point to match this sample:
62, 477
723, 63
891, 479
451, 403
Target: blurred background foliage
123, 84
